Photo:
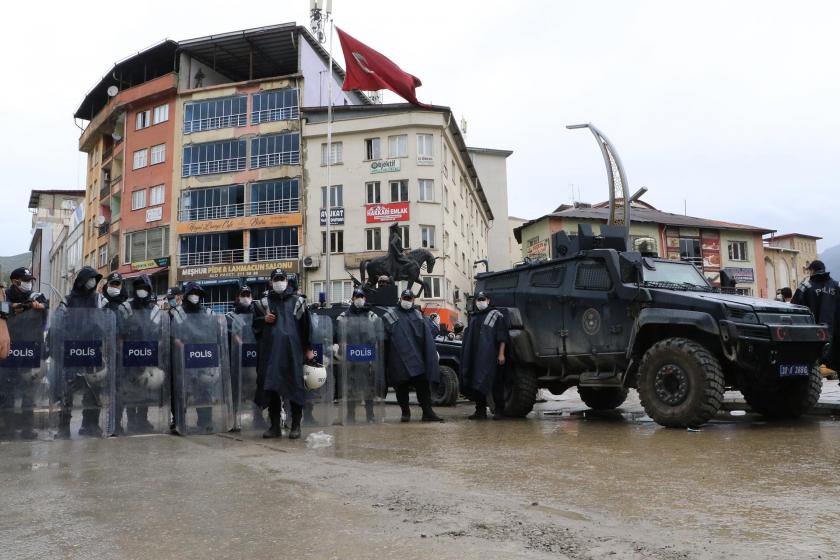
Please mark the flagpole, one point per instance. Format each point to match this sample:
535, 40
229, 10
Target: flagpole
327, 283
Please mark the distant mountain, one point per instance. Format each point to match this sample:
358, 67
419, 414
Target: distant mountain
831, 258
8, 264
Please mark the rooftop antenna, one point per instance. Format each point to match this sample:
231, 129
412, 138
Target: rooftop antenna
317, 17
619, 188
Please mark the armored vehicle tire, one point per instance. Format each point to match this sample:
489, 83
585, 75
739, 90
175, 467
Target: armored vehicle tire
793, 397
446, 392
680, 383
520, 391
603, 398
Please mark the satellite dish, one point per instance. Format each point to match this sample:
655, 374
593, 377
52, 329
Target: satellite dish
116, 136
100, 220
112, 91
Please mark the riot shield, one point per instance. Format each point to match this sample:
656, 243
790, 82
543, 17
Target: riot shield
83, 370
362, 357
319, 409
24, 387
143, 401
201, 373
243, 374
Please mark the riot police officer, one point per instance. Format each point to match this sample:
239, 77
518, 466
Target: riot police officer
114, 291
821, 294
17, 378
411, 357
244, 301
174, 297
483, 358
282, 328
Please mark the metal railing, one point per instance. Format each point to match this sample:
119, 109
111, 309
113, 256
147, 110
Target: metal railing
214, 166
284, 206
278, 114
104, 229
279, 158
237, 256
212, 123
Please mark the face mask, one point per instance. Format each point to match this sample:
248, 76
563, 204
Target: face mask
26, 286
280, 286
142, 294
359, 302
481, 305
193, 298
90, 284
172, 302
113, 292
406, 304
245, 301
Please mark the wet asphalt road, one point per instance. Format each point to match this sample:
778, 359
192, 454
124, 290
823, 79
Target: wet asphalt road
560, 484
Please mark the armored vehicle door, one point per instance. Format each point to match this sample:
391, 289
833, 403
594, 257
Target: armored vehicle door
595, 317
543, 301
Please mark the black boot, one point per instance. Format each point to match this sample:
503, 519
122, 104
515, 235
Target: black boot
63, 425
402, 399
27, 422
204, 421
90, 423
274, 416
141, 419
369, 416
350, 416
297, 412
424, 398
257, 420
480, 412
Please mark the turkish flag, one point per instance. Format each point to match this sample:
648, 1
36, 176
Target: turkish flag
371, 70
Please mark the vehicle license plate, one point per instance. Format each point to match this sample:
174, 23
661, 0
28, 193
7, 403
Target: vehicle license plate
792, 370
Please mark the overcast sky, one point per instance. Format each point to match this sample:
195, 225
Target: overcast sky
727, 108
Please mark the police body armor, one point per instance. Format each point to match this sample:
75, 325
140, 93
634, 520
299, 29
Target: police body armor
361, 337
24, 388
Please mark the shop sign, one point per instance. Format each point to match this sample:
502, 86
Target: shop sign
222, 271
154, 214
336, 216
384, 165
151, 263
710, 244
741, 275
390, 212
246, 222
538, 249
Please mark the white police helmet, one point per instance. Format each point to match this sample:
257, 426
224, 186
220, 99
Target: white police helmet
151, 378
96, 377
314, 377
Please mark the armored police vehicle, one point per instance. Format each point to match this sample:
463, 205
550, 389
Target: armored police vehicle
606, 320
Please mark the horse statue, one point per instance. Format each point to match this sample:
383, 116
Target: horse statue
409, 270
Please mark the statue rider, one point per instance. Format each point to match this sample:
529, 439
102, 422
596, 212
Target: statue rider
396, 259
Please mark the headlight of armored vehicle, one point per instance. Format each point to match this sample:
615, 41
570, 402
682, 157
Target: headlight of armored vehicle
740, 314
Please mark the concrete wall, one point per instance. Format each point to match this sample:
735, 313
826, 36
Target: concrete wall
491, 166
514, 248
189, 67
316, 85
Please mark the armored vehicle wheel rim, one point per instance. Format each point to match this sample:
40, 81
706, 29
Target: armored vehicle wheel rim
671, 384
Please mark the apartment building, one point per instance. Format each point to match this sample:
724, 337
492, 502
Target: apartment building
52, 212
787, 257
393, 164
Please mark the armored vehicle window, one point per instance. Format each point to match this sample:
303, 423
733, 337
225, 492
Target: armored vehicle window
502, 281
592, 275
549, 278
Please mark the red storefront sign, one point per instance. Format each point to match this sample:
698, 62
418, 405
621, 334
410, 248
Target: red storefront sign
389, 212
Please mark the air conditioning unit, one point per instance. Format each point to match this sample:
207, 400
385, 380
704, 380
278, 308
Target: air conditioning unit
311, 262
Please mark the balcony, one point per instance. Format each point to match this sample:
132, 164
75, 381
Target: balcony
238, 256
286, 206
104, 229
277, 114
277, 158
215, 166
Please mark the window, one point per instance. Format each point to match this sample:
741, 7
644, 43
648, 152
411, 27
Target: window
277, 105
462, 225
138, 199
146, 244
273, 244
445, 241
592, 275
156, 195
277, 149
337, 151
446, 198
211, 248
427, 237
158, 154
372, 149
336, 196
425, 155
738, 251
103, 255
141, 158
455, 255
690, 251
341, 290
398, 146
215, 113
336, 241
404, 239
399, 191
549, 277
374, 194
214, 157
374, 239
275, 197
434, 284
142, 120
161, 114
212, 204
427, 190
464, 260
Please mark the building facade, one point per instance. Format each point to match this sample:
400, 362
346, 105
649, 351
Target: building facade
491, 166
52, 212
710, 245
66, 253
787, 258
393, 164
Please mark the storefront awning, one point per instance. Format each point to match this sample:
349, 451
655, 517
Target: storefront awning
148, 272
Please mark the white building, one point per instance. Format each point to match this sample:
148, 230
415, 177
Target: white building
394, 164
491, 165
51, 213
